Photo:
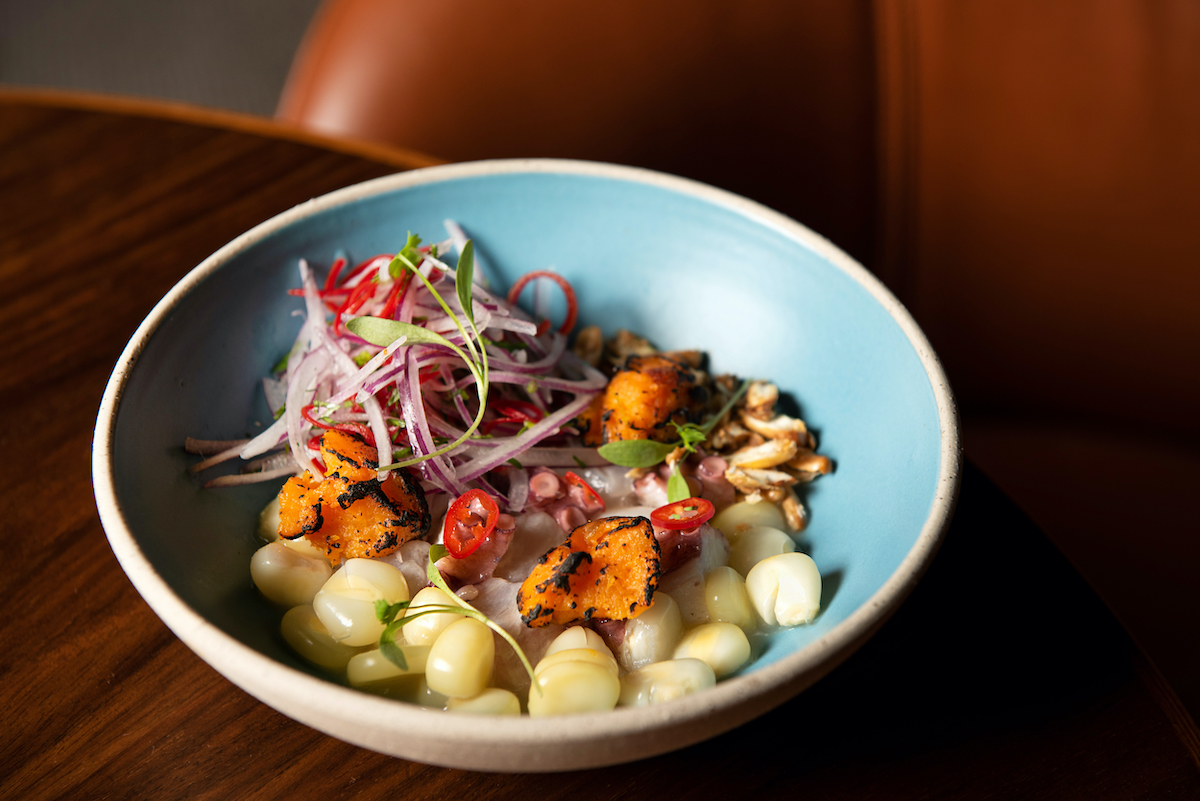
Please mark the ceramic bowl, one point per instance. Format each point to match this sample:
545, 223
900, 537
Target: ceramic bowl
684, 264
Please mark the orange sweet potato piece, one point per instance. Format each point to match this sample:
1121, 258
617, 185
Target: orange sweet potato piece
589, 422
349, 518
647, 394
348, 455
607, 568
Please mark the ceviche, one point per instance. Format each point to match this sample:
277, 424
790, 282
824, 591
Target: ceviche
488, 513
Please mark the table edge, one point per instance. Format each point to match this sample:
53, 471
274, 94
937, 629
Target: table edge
176, 111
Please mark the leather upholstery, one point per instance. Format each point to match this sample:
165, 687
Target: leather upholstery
1024, 175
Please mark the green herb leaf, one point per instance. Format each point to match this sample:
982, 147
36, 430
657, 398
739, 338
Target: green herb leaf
387, 645
408, 258
282, 364
677, 487
379, 331
464, 275
636, 452
579, 461
515, 463
386, 612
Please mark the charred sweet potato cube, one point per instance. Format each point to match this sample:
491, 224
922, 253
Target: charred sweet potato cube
348, 455
646, 395
607, 568
349, 518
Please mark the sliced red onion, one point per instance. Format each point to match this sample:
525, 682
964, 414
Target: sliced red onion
351, 387
501, 359
545, 427
300, 393
271, 438
436, 469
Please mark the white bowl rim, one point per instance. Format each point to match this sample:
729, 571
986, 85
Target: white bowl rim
274, 682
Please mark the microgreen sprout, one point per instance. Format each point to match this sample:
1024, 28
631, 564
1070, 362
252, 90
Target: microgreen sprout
387, 615
382, 332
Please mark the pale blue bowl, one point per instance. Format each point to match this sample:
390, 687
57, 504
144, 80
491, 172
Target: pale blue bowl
686, 265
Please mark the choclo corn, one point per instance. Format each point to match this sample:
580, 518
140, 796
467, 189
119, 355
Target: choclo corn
725, 595
288, 577
307, 636
346, 603
785, 589
268, 521
750, 546
745, 515
424, 630
602, 658
576, 637
372, 667
722, 646
569, 688
461, 659
665, 681
492, 701
651, 636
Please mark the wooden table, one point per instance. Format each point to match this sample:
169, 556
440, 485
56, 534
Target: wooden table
1003, 675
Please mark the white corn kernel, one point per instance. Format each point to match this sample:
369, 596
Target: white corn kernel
460, 661
492, 701
722, 646
651, 636
372, 667
785, 589
568, 688
268, 521
744, 515
287, 577
576, 637
665, 681
346, 603
749, 547
304, 545
424, 630
307, 635
603, 658
728, 602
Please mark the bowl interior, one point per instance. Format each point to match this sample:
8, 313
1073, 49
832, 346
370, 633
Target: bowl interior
687, 269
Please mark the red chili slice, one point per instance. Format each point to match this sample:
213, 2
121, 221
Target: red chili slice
591, 499
686, 514
469, 522
331, 279
568, 291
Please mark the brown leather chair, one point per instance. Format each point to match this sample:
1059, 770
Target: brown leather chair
1025, 176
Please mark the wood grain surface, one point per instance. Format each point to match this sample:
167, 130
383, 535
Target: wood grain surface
1002, 676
